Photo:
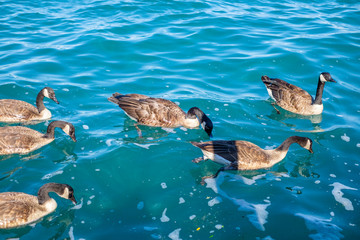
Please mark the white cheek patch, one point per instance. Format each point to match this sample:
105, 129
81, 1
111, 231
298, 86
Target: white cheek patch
308, 144
65, 194
66, 129
322, 79
46, 93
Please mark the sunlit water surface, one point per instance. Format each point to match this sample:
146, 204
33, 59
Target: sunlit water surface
209, 54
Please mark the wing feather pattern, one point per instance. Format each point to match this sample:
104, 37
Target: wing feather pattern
286, 95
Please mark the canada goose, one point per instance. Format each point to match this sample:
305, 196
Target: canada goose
17, 208
160, 112
12, 110
243, 155
22, 140
295, 99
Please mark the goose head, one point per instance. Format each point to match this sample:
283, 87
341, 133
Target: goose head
63, 190
326, 77
68, 193
306, 143
49, 93
69, 129
204, 120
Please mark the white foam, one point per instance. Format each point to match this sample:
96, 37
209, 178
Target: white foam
270, 147
146, 146
78, 206
86, 127
192, 217
358, 145
214, 201
175, 235
164, 218
338, 195
219, 226
71, 233
259, 216
163, 185
181, 200
324, 228
345, 138
168, 130
50, 175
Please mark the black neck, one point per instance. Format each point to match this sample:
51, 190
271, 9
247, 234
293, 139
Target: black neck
50, 132
195, 112
40, 101
319, 92
43, 193
286, 144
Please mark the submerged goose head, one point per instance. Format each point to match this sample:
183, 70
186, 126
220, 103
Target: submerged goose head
326, 77
63, 190
204, 120
67, 127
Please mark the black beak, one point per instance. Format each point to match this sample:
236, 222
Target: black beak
73, 200
73, 137
331, 80
54, 99
311, 151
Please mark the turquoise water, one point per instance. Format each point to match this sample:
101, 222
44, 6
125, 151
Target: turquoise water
209, 54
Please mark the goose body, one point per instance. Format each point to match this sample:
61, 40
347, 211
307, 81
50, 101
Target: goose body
244, 155
295, 99
18, 209
22, 140
160, 112
12, 110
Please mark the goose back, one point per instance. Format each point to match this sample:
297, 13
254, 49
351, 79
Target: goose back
245, 155
150, 111
17, 111
12, 110
289, 96
17, 209
22, 140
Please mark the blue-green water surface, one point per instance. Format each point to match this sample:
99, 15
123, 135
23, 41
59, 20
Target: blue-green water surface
209, 54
